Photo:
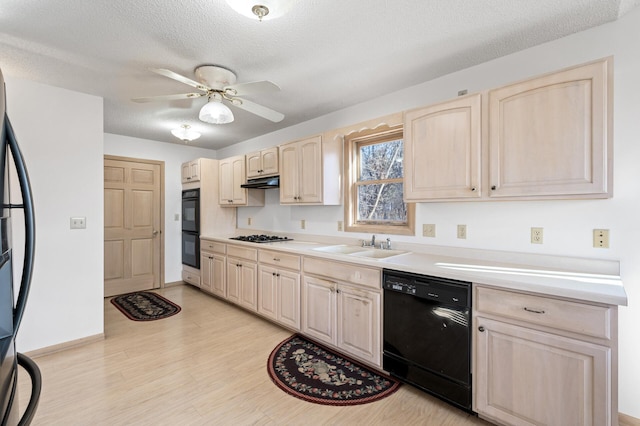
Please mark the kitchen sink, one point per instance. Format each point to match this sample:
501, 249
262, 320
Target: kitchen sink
357, 251
341, 249
378, 254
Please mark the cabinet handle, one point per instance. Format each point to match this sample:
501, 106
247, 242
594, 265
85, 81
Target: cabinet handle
277, 275
275, 259
533, 311
273, 273
481, 329
493, 187
473, 189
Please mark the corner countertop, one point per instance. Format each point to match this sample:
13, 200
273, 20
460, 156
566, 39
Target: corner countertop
589, 280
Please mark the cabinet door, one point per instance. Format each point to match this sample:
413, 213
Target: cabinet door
233, 280
550, 135
239, 177
289, 298
194, 167
319, 309
219, 276
225, 182
249, 285
254, 164
359, 323
528, 377
269, 158
310, 170
442, 150
206, 263
267, 292
289, 173
186, 172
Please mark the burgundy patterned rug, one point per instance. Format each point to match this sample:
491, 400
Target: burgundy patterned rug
145, 306
316, 374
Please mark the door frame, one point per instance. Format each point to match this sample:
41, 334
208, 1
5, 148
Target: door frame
161, 236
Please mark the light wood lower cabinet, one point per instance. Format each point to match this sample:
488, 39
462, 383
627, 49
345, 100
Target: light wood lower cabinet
529, 369
279, 295
213, 267
242, 276
341, 314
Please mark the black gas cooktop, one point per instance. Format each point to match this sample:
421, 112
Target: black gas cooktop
261, 238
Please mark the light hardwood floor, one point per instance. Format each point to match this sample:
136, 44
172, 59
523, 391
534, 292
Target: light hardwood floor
204, 366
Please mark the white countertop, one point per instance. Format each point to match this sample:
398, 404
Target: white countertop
591, 280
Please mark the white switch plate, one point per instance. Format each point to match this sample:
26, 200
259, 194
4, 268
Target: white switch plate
601, 238
536, 235
78, 222
462, 232
248, 221
339, 225
176, 217
303, 224
429, 230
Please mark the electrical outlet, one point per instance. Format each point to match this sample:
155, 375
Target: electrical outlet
429, 230
248, 221
303, 225
462, 232
601, 238
536, 235
339, 225
78, 222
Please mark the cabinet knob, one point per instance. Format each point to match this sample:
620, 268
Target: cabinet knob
473, 189
481, 329
273, 273
493, 187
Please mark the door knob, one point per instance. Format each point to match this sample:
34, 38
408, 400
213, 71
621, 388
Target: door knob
481, 329
155, 232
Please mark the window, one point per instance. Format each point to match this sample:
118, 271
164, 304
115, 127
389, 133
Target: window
374, 189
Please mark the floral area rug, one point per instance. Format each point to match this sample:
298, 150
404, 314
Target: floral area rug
313, 373
145, 306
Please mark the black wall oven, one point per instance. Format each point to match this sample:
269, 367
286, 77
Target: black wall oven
191, 228
427, 334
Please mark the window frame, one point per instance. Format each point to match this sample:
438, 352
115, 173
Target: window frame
351, 171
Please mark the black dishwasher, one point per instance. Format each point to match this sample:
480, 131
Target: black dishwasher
427, 335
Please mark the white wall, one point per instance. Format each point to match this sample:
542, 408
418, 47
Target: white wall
173, 156
567, 225
60, 135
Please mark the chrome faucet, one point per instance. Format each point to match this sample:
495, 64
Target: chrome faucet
386, 245
371, 243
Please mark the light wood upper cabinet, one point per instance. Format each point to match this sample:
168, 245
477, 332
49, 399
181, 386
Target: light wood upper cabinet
552, 135
310, 172
191, 171
232, 175
262, 163
541, 360
442, 145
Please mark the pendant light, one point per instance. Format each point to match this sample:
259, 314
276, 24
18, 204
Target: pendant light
185, 134
215, 112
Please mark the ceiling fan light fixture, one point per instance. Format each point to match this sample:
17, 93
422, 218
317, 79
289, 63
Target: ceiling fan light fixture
215, 112
185, 133
262, 10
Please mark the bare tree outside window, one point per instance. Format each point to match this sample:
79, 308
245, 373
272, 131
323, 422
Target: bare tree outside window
379, 183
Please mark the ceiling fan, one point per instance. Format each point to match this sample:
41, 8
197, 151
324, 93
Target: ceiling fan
218, 84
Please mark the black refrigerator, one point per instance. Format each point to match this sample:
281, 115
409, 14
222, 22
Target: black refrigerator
11, 307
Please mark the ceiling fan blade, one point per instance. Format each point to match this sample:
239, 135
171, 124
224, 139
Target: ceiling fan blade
169, 97
180, 78
243, 89
258, 110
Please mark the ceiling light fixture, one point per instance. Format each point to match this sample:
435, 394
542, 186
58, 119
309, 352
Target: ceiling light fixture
185, 134
263, 10
215, 112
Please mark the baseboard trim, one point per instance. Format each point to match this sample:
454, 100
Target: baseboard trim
64, 346
173, 284
626, 420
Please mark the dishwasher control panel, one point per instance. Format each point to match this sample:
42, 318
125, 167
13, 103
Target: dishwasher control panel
441, 290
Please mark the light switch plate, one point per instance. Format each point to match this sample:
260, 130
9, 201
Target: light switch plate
429, 230
462, 232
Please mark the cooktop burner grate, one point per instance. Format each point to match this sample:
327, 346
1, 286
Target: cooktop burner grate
261, 238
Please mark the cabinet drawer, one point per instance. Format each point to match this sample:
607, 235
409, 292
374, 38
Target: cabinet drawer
213, 247
279, 259
574, 317
191, 278
356, 274
242, 252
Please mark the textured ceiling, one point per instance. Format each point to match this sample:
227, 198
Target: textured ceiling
324, 54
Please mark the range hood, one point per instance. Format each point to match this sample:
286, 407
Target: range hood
263, 183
